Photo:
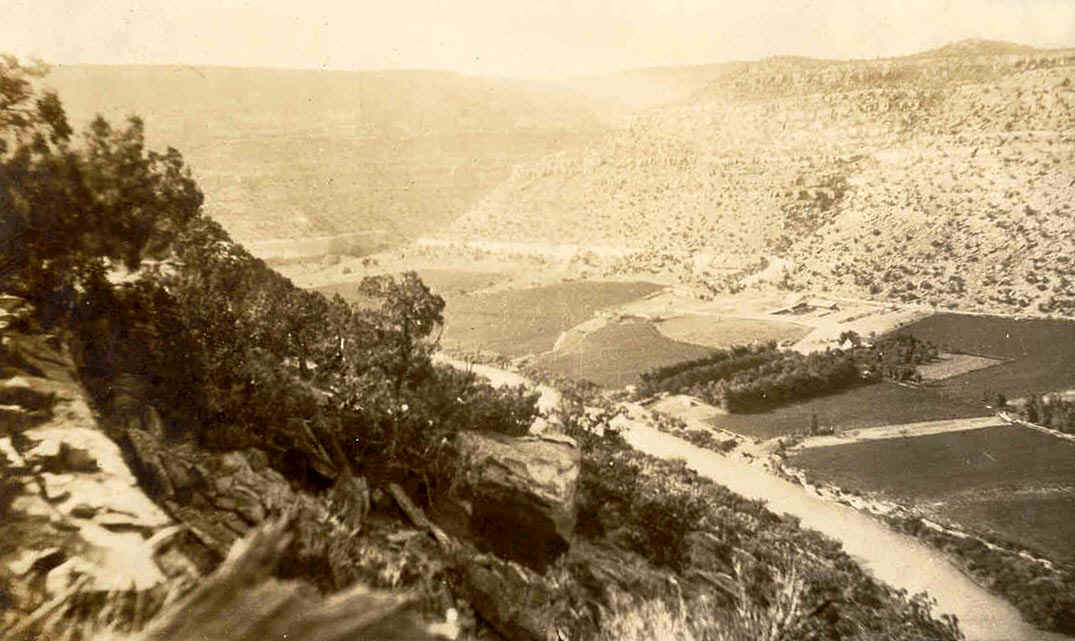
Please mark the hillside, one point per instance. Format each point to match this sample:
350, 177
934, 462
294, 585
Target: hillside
944, 177
290, 154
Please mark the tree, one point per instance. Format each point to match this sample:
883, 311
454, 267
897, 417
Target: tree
70, 212
1032, 408
408, 315
852, 337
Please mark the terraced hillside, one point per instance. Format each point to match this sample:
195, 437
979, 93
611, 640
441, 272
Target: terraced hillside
946, 177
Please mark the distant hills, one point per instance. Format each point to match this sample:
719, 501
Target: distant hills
288, 154
945, 177
979, 47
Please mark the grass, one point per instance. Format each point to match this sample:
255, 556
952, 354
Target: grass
1013, 481
1039, 353
616, 354
528, 321
725, 332
867, 406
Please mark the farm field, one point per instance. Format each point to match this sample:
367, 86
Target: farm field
951, 365
1040, 353
445, 282
528, 321
996, 479
861, 407
1043, 521
616, 354
714, 331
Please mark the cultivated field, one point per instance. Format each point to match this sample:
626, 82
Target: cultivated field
1013, 481
616, 354
445, 282
715, 331
528, 321
1039, 354
951, 365
862, 407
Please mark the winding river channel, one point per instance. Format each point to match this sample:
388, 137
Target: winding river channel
897, 559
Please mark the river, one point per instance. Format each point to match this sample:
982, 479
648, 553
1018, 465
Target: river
896, 559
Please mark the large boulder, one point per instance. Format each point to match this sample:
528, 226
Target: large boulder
520, 493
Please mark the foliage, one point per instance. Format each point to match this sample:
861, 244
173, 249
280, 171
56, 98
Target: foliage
1052, 411
717, 365
1044, 595
659, 508
116, 202
743, 379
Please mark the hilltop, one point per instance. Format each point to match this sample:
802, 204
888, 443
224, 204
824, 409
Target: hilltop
944, 177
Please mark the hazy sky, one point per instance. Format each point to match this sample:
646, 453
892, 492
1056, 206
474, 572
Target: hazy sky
504, 37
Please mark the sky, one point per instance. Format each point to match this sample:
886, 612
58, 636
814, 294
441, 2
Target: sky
507, 37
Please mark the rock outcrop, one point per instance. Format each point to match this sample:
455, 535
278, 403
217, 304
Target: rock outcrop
81, 545
97, 533
519, 493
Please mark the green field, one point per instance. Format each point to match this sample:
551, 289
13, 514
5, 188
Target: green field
615, 355
528, 321
1039, 354
724, 332
1015, 482
866, 406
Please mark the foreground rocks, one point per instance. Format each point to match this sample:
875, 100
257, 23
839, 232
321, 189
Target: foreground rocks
80, 542
100, 533
519, 493
242, 602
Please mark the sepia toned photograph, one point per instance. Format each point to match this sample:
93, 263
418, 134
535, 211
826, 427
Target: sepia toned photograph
579, 320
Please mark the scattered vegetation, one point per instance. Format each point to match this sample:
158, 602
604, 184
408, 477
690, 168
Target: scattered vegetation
662, 509
938, 178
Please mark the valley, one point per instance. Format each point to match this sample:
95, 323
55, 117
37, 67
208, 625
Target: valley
936, 449
696, 317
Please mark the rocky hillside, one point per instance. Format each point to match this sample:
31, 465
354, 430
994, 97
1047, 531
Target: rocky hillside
944, 177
